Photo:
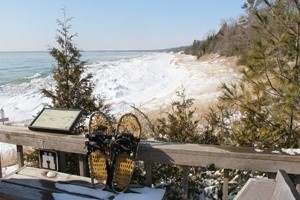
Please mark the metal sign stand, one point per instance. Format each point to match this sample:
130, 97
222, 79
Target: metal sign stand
3, 118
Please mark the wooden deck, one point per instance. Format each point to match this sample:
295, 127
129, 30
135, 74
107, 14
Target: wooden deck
241, 158
280, 188
227, 158
33, 183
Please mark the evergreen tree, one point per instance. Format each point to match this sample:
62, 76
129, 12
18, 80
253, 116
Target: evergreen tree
179, 125
74, 88
199, 48
264, 108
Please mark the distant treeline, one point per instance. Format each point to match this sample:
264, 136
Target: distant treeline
234, 38
174, 49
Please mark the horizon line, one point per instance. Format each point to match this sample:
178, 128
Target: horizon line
146, 50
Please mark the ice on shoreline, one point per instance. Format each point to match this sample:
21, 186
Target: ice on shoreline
148, 82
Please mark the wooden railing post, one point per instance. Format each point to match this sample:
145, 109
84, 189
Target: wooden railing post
148, 168
82, 165
185, 181
62, 161
0, 167
225, 184
271, 175
20, 156
298, 183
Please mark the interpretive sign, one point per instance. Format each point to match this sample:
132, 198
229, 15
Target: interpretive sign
48, 160
56, 120
4, 119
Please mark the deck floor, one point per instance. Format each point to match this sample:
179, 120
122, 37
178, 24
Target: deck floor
32, 183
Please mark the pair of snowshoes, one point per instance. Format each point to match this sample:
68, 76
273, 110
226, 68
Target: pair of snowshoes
111, 156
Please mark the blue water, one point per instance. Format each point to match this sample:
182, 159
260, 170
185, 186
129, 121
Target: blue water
18, 67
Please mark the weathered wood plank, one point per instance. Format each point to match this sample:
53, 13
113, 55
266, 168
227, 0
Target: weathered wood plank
225, 184
148, 168
298, 183
284, 188
61, 161
35, 181
31, 181
82, 165
257, 188
20, 156
28, 192
48, 185
36, 178
168, 153
0, 167
9, 197
61, 177
185, 181
269, 189
222, 157
23, 192
60, 142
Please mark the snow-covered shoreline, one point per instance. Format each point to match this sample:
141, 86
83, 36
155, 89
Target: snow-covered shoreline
148, 82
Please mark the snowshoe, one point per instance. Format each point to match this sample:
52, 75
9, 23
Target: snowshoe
124, 149
99, 136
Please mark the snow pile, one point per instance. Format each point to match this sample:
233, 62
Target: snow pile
147, 81
258, 150
291, 151
23, 101
276, 151
8, 170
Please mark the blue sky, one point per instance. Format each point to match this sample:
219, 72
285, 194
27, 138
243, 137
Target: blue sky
29, 25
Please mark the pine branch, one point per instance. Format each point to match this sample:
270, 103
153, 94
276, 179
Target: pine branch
297, 5
278, 18
151, 126
269, 81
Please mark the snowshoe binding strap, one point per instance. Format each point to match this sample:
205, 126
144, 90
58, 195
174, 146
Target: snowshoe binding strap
97, 141
127, 143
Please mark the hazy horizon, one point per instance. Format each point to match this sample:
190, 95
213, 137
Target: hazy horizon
129, 25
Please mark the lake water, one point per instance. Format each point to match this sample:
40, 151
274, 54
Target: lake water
122, 78
18, 67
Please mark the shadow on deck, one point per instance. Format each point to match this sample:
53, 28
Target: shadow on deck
32, 183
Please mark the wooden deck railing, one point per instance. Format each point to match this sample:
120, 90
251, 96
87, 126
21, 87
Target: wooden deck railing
187, 155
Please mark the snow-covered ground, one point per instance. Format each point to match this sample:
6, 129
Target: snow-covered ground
8, 170
148, 82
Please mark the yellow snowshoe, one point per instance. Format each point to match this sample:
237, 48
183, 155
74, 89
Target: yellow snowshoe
124, 149
99, 135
